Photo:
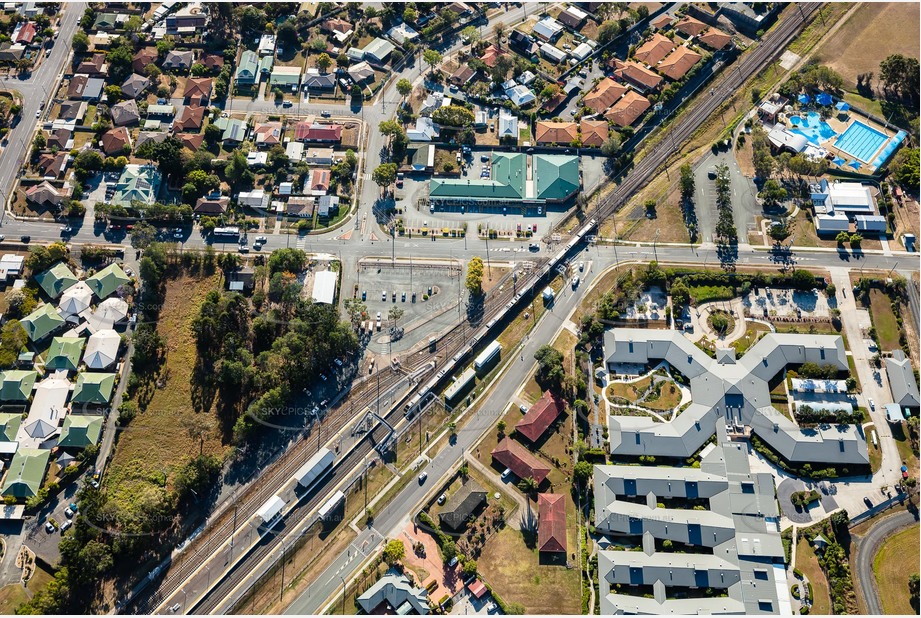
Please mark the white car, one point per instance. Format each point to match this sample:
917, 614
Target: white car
872, 404
422, 477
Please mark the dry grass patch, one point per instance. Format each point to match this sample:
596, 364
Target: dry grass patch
856, 47
156, 443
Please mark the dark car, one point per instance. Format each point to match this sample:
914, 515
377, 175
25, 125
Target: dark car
25, 239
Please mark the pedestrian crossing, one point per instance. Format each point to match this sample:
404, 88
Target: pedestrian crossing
301, 242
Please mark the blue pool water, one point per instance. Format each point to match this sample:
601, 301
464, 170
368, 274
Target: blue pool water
860, 141
812, 127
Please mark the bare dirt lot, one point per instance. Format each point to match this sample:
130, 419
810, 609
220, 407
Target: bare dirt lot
856, 47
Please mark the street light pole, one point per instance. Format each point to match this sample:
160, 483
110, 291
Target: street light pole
654, 241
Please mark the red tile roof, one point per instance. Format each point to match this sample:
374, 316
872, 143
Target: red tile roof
190, 117
192, 141
551, 523
306, 131
662, 21
143, 58
714, 39
603, 95
514, 456
654, 49
540, 417
477, 588
690, 26
26, 33
628, 109
491, 55
115, 140
594, 132
198, 88
636, 73
556, 132
679, 62
319, 180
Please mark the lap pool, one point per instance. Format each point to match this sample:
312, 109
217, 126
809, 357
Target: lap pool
860, 141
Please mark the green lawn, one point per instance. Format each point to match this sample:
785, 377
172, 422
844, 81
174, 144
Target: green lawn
809, 565
887, 329
896, 560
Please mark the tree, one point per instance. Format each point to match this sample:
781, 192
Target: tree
142, 235
410, 15
528, 486
899, 74
681, 295
842, 238
395, 314
856, 239
550, 371
905, 168
86, 163
687, 182
251, 19
611, 146
384, 174
607, 31
237, 170
394, 551
404, 87
287, 36
779, 232
471, 34
582, 472
431, 58
474, 281
356, 310
119, 60
453, 116
13, 338
499, 31
772, 193
500, 427
324, 62
80, 42
913, 584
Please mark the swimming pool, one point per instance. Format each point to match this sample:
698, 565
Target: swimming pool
860, 141
812, 127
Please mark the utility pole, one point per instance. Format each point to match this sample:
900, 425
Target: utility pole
654, 241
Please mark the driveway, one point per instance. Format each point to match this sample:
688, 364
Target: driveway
786, 489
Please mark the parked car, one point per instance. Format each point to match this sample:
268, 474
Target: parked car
326, 113
25, 239
523, 408
67, 524
442, 498
49, 527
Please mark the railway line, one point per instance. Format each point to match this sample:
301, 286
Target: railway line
453, 348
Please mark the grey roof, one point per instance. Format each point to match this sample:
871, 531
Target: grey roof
462, 505
902, 381
736, 391
397, 590
739, 526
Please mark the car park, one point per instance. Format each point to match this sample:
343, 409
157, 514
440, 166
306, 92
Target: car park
383, 299
49, 527
338, 362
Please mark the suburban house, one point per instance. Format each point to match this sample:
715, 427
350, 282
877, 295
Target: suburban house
85, 88
378, 50
137, 183
603, 95
902, 382
247, 68
46, 195
636, 75
125, 113
594, 132
134, 85
690, 26
212, 205
551, 524
547, 132
654, 50
190, 118
314, 80
197, 90
308, 131
678, 63
145, 57
394, 593
115, 141
628, 109
462, 506
178, 60
267, 134
520, 461
540, 417
547, 29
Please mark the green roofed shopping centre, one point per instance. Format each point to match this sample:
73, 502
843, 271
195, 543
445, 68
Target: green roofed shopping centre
515, 180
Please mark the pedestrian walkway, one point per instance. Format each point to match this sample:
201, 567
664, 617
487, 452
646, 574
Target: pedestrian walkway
515, 523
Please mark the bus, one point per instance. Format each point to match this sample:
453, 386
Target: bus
228, 233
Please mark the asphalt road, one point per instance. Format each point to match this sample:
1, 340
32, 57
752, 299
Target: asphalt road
867, 548
391, 518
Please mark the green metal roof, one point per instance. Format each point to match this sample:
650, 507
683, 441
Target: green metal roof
42, 322
9, 426
106, 281
556, 177
246, 70
56, 279
266, 64
507, 182
93, 387
65, 353
26, 473
16, 384
80, 430
284, 78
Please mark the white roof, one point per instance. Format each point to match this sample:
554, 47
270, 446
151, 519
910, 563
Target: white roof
75, 299
508, 125
582, 51
324, 286
520, 95
102, 349
547, 28
272, 507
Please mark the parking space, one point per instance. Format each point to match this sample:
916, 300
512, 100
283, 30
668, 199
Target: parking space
745, 206
427, 294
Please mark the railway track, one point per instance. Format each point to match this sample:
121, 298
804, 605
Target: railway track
451, 343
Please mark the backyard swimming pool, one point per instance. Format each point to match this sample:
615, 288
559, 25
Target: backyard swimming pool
860, 141
812, 127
